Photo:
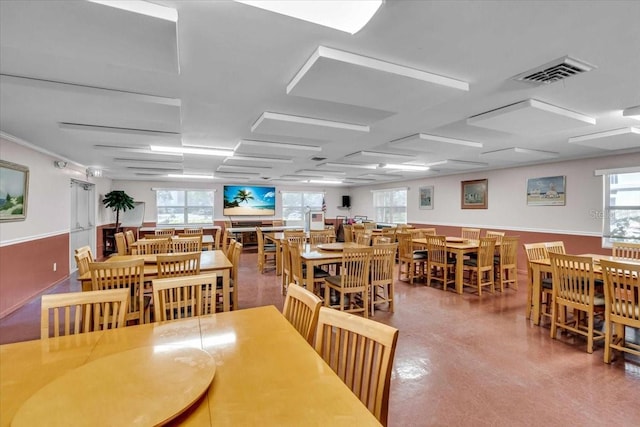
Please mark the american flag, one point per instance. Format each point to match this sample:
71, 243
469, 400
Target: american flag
324, 206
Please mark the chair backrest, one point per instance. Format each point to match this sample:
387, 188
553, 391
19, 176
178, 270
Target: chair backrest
348, 233
382, 262
152, 246
230, 247
323, 236
121, 274
486, 251
121, 244
181, 297
296, 264
216, 239
424, 232
182, 264
472, 234
82, 249
360, 351
381, 240
187, 244
557, 247
165, 231
82, 312
509, 251
405, 246
193, 231
82, 261
497, 234
626, 250
297, 237
437, 249
355, 267
573, 279
130, 237
235, 261
536, 251
301, 308
260, 236
363, 237
622, 291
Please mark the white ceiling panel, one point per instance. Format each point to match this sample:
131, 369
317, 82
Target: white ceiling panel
531, 117
305, 127
517, 155
618, 139
348, 78
268, 148
435, 144
447, 165
378, 157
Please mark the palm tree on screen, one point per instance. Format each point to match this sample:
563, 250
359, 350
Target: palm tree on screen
244, 196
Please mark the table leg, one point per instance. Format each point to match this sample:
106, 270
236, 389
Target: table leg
278, 258
535, 292
226, 304
459, 271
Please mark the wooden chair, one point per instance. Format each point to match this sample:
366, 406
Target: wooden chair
181, 297
83, 312
323, 236
122, 274
361, 352
187, 244
130, 238
574, 288
182, 264
414, 263
84, 249
216, 239
382, 263
622, 309
497, 234
626, 250
82, 261
164, 231
440, 267
471, 234
348, 233
480, 269
506, 264
352, 282
557, 247
233, 280
536, 251
152, 246
121, 244
423, 232
266, 252
381, 240
277, 223
156, 237
301, 277
226, 238
301, 308
297, 237
363, 237
197, 231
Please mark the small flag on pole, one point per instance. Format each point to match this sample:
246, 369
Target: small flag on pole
324, 205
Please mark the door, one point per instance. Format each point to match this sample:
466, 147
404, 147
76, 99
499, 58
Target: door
82, 222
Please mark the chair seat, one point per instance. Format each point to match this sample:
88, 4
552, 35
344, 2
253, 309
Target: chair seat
422, 252
319, 273
471, 262
419, 255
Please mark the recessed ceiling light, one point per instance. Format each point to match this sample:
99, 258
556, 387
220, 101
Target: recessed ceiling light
348, 16
142, 7
189, 176
192, 150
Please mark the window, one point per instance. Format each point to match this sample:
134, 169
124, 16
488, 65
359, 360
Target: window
182, 207
390, 205
621, 217
294, 204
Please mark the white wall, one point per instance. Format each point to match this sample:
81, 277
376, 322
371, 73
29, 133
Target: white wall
141, 192
49, 197
507, 206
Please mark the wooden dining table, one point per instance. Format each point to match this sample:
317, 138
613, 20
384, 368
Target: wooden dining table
207, 241
315, 256
210, 262
265, 372
540, 266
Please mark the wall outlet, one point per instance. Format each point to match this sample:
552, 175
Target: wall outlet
55, 266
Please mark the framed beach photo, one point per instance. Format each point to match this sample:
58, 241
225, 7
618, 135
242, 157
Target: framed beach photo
474, 194
425, 200
546, 191
14, 186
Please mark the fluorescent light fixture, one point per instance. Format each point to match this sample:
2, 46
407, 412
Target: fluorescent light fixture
349, 16
189, 176
192, 150
320, 172
633, 112
350, 165
142, 7
258, 159
404, 167
323, 181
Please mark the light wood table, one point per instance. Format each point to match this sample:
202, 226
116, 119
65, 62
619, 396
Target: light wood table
163, 384
540, 266
266, 372
313, 256
207, 241
210, 262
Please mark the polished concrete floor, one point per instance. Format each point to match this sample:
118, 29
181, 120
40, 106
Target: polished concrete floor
463, 360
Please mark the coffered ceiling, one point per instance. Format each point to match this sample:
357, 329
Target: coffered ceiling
455, 86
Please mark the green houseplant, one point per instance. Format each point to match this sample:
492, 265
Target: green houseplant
118, 201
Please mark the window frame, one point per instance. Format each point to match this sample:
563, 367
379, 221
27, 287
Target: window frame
185, 206
389, 208
301, 208
609, 209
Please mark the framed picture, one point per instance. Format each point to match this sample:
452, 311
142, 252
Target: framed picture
474, 194
14, 185
426, 197
546, 191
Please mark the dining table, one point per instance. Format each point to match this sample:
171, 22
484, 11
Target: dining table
325, 253
543, 266
210, 262
208, 241
262, 372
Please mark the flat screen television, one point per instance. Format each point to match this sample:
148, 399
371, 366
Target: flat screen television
249, 200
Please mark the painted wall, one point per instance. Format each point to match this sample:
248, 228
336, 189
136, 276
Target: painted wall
507, 206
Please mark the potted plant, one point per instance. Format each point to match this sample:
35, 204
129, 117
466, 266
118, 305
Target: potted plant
118, 200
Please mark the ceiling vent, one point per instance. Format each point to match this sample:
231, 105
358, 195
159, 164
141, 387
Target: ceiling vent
318, 159
554, 71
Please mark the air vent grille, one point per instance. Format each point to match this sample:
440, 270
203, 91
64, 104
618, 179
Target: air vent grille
318, 159
554, 71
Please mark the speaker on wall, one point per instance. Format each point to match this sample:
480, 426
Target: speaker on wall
346, 201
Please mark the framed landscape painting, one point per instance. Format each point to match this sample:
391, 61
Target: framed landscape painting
14, 185
474, 194
426, 197
546, 191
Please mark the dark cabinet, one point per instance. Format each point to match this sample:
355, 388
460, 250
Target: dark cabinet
108, 241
